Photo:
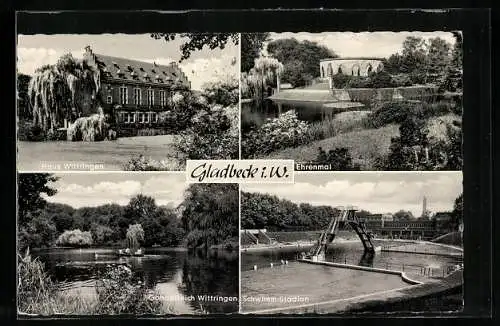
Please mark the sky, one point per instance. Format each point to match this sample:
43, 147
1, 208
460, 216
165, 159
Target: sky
364, 44
203, 66
94, 189
386, 192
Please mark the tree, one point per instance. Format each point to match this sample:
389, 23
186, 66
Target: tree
75, 238
22, 96
39, 232
251, 46
55, 90
102, 234
308, 53
414, 59
453, 81
140, 208
438, 58
210, 214
135, 236
458, 211
197, 41
403, 215
30, 187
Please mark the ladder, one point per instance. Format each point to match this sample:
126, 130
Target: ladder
346, 215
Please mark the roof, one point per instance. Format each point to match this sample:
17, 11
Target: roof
123, 68
353, 58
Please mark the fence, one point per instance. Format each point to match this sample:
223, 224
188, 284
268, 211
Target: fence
423, 271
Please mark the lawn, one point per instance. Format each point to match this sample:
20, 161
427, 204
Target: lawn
364, 145
104, 155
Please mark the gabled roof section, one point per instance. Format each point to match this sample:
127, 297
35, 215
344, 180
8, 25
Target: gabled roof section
135, 70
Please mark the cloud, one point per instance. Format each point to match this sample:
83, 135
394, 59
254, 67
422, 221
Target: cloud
166, 190
199, 71
205, 70
377, 196
29, 59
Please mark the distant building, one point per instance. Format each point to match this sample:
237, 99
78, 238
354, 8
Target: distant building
135, 92
350, 66
388, 217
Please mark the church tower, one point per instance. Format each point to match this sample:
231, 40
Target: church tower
424, 207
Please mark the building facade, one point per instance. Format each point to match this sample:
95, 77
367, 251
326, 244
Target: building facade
350, 66
134, 92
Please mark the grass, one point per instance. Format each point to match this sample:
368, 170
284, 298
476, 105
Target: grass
112, 154
340, 123
365, 146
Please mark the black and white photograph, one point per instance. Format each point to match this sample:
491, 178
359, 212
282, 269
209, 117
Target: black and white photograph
353, 243
126, 243
353, 101
130, 102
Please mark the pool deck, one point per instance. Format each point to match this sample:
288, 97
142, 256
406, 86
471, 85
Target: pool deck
332, 288
326, 287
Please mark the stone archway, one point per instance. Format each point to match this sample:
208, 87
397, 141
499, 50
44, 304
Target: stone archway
339, 70
369, 69
356, 70
329, 70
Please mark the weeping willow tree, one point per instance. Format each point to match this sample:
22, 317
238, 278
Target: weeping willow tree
210, 214
135, 236
265, 71
58, 92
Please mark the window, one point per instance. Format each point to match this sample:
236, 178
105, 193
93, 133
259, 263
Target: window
154, 117
137, 96
109, 99
151, 99
163, 98
147, 117
123, 95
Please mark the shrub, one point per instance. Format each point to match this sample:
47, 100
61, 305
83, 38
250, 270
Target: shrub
394, 112
278, 133
119, 293
142, 163
150, 132
413, 150
381, 79
75, 238
340, 80
213, 134
401, 80
27, 131
339, 158
224, 93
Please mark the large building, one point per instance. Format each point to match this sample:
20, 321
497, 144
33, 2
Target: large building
350, 66
135, 92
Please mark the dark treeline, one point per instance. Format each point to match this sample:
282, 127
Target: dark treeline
264, 211
205, 220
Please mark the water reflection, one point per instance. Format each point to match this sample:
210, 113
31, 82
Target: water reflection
173, 273
351, 253
255, 114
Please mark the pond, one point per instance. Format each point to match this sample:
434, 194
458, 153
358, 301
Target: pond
255, 113
353, 253
172, 272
